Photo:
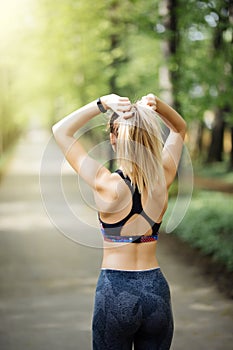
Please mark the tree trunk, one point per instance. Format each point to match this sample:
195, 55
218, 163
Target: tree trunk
173, 43
216, 145
196, 138
115, 40
169, 79
231, 154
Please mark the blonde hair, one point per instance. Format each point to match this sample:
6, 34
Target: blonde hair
139, 147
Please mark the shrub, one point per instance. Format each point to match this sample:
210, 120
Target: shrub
208, 225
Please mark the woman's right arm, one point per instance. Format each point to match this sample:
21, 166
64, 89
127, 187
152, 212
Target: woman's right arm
174, 143
171, 118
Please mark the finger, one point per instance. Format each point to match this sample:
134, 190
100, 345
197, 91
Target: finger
128, 115
151, 103
124, 108
124, 99
151, 96
126, 103
152, 106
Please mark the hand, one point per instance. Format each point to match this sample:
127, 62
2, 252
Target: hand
120, 105
148, 101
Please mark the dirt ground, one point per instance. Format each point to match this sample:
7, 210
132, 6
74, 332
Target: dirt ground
213, 184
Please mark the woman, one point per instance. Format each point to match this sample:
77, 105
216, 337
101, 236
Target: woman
132, 304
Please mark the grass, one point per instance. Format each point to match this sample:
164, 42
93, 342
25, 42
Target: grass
208, 225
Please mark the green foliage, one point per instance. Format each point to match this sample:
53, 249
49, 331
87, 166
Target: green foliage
173, 190
217, 171
89, 47
58, 56
16, 82
208, 225
203, 57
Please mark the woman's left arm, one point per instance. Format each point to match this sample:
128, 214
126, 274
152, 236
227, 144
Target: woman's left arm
91, 171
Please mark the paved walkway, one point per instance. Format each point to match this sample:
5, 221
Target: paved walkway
47, 281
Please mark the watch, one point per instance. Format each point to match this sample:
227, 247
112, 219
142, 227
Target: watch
100, 106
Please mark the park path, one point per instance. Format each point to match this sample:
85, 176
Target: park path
47, 281
213, 184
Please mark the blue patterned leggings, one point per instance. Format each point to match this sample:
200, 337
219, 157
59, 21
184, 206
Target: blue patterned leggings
132, 307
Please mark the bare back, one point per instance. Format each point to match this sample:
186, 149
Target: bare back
132, 256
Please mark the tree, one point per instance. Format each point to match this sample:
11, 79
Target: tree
197, 38
16, 75
223, 12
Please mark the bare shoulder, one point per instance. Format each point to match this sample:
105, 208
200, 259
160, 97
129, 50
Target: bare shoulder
110, 191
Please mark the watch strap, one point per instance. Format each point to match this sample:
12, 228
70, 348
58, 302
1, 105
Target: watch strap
100, 106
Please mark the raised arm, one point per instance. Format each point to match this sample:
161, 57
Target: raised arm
91, 171
173, 146
170, 117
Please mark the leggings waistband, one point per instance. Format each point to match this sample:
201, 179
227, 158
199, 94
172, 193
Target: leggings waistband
110, 269
128, 274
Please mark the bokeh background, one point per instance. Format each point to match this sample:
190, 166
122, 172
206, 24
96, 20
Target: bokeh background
58, 56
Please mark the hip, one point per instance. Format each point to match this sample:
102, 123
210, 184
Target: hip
137, 282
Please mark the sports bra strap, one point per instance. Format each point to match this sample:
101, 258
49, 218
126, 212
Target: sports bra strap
114, 229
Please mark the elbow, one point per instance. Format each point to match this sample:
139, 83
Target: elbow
62, 139
183, 129
60, 130
53, 129
57, 131
184, 126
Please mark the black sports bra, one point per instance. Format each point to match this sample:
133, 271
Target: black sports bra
112, 232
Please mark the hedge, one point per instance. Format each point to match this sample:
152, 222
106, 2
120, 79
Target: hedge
208, 225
